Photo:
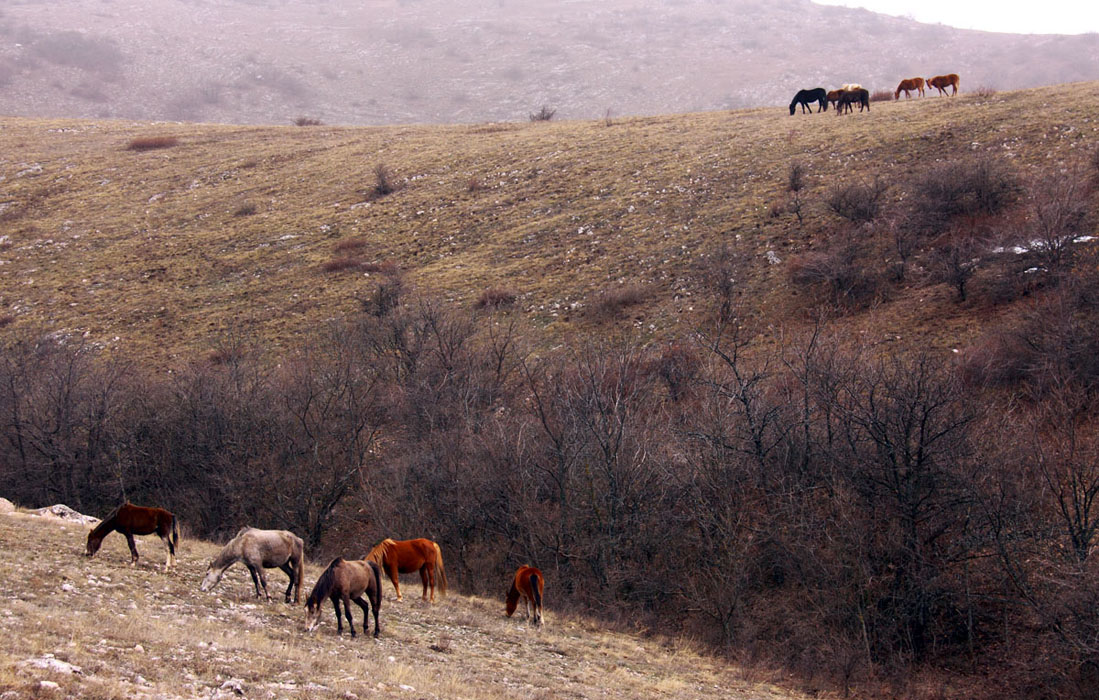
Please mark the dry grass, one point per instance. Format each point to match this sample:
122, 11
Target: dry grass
152, 143
642, 203
142, 633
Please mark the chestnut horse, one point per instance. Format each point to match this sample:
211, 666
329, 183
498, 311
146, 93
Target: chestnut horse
529, 583
405, 556
907, 86
941, 82
259, 550
133, 520
834, 97
346, 580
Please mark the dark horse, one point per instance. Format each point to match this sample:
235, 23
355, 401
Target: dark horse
805, 97
346, 580
529, 583
860, 96
133, 520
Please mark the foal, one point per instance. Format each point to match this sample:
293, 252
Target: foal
133, 520
347, 581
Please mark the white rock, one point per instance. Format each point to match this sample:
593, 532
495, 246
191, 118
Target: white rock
6, 506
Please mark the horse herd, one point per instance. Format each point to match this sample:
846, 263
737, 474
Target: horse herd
344, 581
853, 93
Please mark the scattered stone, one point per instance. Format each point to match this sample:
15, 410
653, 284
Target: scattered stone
233, 685
6, 506
48, 685
63, 512
49, 663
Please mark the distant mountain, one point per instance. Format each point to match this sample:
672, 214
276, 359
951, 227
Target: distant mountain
400, 61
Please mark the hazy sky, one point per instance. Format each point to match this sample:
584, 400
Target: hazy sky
1024, 17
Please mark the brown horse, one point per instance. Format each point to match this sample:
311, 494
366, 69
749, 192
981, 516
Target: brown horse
347, 581
942, 82
529, 583
907, 86
405, 556
860, 96
133, 520
834, 97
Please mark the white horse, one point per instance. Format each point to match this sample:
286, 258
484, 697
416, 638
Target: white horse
259, 550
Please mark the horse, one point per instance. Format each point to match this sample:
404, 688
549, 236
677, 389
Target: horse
259, 550
805, 97
346, 580
848, 87
861, 96
834, 96
133, 520
405, 556
907, 86
941, 82
529, 583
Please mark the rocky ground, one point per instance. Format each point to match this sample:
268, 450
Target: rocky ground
96, 628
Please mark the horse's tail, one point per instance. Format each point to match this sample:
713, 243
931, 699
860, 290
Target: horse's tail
535, 593
376, 598
175, 530
439, 568
324, 584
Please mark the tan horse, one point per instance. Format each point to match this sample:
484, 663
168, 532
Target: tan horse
907, 86
529, 583
941, 82
406, 556
346, 580
133, 520
259, 550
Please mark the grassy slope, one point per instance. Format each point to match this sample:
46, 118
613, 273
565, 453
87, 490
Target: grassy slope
96, 613
142, 250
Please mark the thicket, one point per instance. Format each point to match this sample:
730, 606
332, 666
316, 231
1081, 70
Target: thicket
796, 500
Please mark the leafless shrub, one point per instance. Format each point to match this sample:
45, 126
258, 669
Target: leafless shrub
246, 209
970, 187
677, 366
1058, 213
881, 96
307, 121
342, 264
386, 297
858, 202
795, 183
543, 115
840, 271
150, 143
610, 304
982, 91
607, 120
955, 263
475, 184
6, 320
384, 180
495, 298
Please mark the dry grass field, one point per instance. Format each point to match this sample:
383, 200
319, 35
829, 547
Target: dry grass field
270, 231
95, 628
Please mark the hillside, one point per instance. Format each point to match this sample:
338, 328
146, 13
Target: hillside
270, 231
144, 634
414, 61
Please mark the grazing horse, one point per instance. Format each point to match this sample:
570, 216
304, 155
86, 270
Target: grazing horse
848, 87
405, 556
529, 583
941, 82
133, 520
907, 86
805, 97
259, 550
346, 580
834, 97
861, 96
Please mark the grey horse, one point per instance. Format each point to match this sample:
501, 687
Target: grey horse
259, 550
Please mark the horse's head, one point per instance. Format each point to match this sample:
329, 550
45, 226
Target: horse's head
512, 600
312, 614
94, 542
793, 108
212, 578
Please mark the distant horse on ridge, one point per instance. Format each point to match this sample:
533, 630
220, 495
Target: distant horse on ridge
805, 97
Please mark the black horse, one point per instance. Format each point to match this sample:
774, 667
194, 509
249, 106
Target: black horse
860, 96
805, 97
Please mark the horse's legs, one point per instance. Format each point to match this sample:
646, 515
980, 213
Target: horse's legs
366, 613
339, 620
133, 548
255, 578
396, 579
347, 612
425, 574
166, 537
292, 574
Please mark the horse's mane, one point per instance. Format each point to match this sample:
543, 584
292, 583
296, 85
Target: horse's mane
324, 584
107, 523
377, 554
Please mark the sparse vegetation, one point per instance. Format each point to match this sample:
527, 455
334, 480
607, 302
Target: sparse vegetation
307, 121
543, 115
152, 143
858, 202
246, 209
384, 180
495, 298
